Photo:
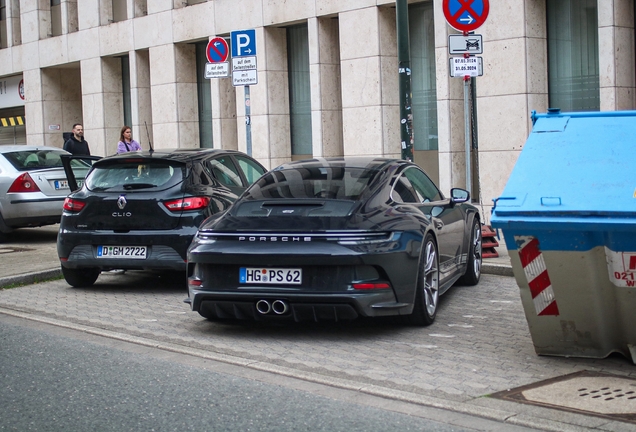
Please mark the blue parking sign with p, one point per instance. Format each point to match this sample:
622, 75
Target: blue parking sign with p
243, 43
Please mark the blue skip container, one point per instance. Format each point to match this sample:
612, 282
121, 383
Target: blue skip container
568, 217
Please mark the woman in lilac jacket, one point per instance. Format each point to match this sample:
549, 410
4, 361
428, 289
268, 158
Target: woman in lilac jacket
126, 143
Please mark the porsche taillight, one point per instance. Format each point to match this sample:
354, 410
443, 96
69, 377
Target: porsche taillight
24, 183
371, 285
187, 204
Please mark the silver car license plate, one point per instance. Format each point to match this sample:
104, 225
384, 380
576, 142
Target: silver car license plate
128, 252
252, 275
61, 184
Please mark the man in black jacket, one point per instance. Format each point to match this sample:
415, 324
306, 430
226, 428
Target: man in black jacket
77, 145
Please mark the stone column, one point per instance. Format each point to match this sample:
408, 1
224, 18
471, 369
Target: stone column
370, 113
616, 54
88, 14
69, 16
140, 98
35, 20
14, 36
102, 103
326, 97
33, 107
271, 141
174, 96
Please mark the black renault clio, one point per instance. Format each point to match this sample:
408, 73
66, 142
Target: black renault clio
140, 210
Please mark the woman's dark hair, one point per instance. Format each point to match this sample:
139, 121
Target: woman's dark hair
121, 133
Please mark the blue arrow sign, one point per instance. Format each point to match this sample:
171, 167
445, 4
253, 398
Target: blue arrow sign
243, 43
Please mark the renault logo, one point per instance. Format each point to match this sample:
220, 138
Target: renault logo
121, 202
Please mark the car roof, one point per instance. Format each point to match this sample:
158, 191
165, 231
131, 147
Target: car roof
364, 162
179, 154
14, 148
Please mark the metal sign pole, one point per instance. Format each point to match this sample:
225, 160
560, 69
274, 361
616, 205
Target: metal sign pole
404, 71
467, 130
248, 121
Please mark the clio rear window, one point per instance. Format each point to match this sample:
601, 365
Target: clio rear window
130, 175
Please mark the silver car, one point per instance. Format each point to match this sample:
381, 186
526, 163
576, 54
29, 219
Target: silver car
33, 186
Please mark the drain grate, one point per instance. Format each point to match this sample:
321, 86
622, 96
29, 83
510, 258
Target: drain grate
607, 393
6, 250
591, 393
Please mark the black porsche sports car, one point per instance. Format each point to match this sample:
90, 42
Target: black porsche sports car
334, 239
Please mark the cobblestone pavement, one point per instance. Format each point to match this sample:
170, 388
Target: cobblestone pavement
478, 345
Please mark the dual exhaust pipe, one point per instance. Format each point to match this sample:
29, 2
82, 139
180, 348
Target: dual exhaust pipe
279, 307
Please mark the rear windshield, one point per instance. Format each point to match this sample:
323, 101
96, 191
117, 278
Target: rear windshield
29, 160
133, 175
346, 183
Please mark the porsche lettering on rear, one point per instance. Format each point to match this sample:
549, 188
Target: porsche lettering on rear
274, 239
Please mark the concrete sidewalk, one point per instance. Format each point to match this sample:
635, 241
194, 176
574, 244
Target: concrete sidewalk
28, 255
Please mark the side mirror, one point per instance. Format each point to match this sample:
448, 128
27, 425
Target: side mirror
459, 195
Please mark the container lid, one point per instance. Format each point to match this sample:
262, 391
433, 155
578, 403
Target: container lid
574, 164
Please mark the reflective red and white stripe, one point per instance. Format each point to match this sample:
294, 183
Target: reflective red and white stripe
537, 276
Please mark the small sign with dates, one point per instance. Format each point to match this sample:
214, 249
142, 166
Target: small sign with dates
466, 66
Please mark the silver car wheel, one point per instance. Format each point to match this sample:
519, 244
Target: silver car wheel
431, 278
476, 251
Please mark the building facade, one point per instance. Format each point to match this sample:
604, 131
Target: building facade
327, 77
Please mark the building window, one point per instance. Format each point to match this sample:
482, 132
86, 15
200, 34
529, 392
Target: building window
573, 58
56, 18
119, 10
204, 98
423, 85
125, 85
141, 8
299, 89
3, 24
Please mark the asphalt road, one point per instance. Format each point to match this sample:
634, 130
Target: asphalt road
53, 379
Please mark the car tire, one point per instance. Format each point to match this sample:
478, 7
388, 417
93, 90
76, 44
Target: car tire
474, 262
4, 229
427, 288
79, 278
